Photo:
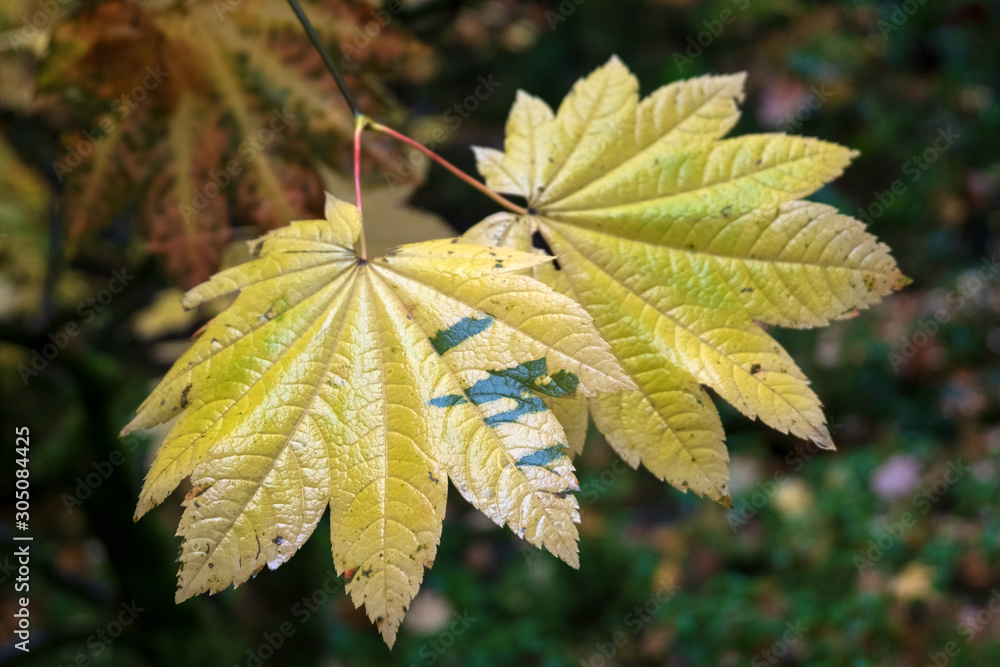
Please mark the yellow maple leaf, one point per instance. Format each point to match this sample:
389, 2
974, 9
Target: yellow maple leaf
366, 386
678, 242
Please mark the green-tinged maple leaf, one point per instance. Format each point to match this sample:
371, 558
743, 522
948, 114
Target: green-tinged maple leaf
200, 111
366, 386
678, 242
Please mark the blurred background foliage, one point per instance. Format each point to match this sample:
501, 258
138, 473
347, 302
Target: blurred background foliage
884, 553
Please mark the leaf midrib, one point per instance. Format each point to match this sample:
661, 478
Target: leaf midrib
661, 200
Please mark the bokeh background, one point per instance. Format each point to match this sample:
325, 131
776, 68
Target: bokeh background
883, 553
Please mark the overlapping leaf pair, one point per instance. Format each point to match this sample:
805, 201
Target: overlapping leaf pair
365, 386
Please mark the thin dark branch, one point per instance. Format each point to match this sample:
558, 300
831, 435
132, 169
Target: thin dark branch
327, 58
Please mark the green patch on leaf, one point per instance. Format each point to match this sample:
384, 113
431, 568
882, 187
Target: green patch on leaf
519, 384
542, 457
466, 328
446, 401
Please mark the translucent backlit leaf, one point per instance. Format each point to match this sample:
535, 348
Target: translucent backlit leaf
679, 243
365, 386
